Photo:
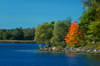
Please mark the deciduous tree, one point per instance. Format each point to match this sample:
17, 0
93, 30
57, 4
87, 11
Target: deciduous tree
74, 35
43, 33
60, 31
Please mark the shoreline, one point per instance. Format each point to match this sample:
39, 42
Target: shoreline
17, 41
71, 50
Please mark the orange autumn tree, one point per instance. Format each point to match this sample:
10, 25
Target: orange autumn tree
73, 36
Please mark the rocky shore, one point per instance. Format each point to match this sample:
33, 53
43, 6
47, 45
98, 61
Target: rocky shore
70, 50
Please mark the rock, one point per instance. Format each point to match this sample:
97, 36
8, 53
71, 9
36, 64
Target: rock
99, 50
70, 50
77, 49
67, 48
62, 50
56, 50
88, 50
45, 49
92, 42
94, 50
49, 49
53, 48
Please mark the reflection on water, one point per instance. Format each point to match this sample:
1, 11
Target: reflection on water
93, 56
71, 54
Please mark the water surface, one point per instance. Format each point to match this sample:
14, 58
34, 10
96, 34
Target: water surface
26, 54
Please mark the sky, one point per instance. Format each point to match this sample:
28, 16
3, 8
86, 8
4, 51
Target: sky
30, 13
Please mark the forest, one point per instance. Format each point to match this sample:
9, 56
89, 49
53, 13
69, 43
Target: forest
17, 34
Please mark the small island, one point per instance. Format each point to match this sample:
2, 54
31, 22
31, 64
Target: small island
73, 43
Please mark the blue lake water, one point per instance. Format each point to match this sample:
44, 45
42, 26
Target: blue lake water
26, 54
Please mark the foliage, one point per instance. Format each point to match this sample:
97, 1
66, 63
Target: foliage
90, 21
43, 33
17, 34
74, 35
1, 34
60, 31
98, 47
89, 46
7, 35
94, 30
29, 33
92, 13
97, 16
92, 46
88, 4
86, 19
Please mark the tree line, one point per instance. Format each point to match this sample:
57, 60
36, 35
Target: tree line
17, 34
52, 33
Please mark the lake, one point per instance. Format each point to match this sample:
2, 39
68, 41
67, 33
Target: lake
26, 54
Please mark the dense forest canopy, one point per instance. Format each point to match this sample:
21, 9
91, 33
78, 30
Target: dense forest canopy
17, 34
90, 23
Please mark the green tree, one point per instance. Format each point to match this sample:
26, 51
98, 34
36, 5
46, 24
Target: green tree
94, 30
86, 19
88, 4
1, 34
18, 34
60, 31
43, 33
90, 19
7, 35
29, 33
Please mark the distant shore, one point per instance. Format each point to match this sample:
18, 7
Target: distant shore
17, 41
